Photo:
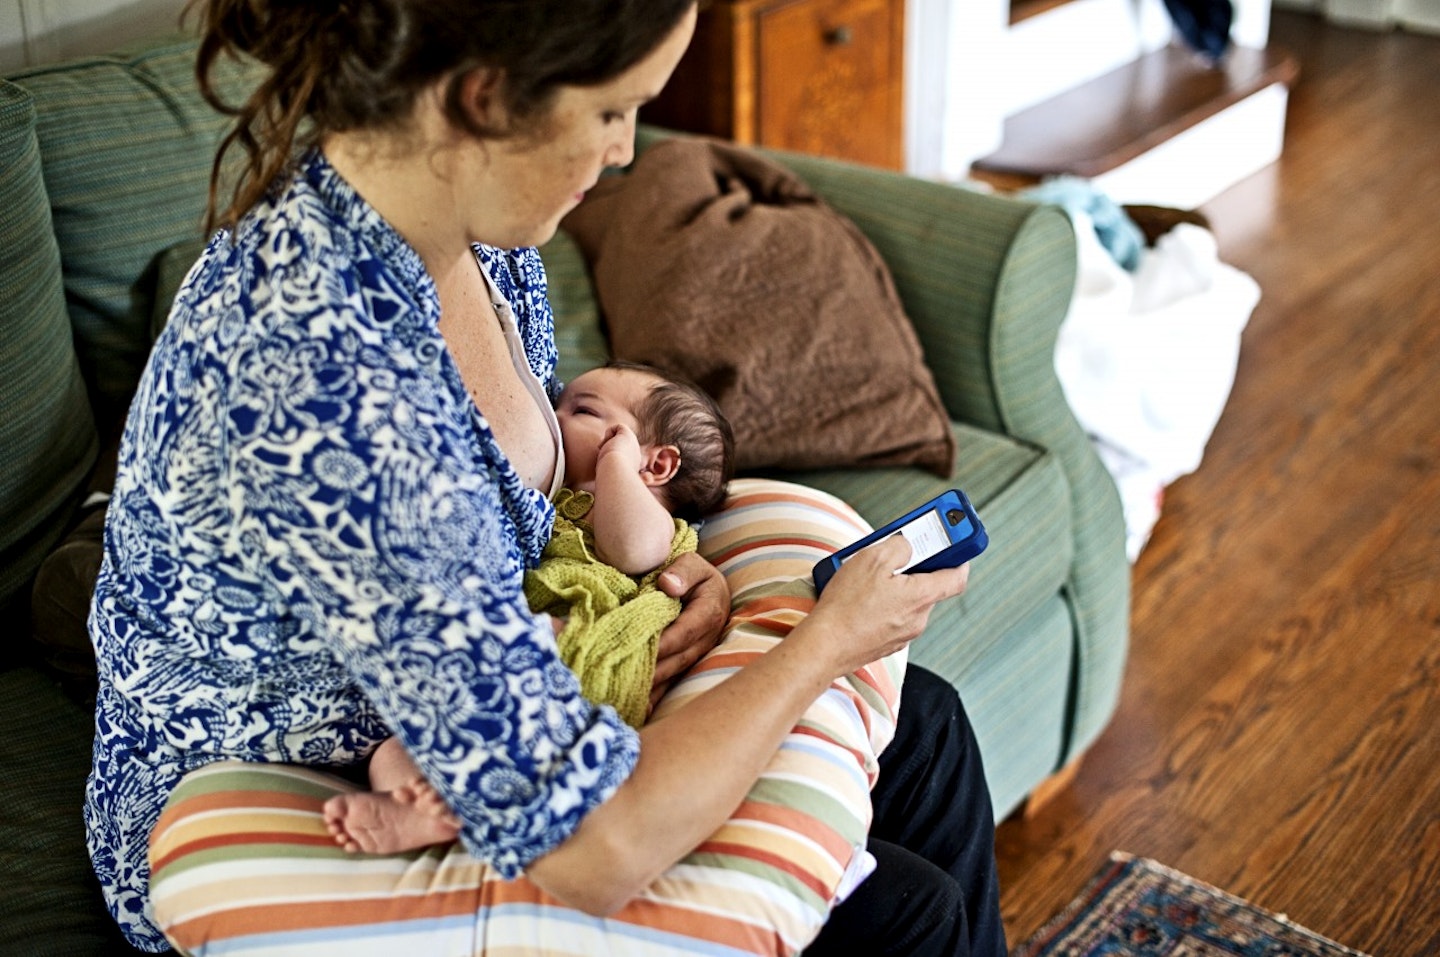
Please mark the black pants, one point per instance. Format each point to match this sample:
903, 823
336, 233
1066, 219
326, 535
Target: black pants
935, 890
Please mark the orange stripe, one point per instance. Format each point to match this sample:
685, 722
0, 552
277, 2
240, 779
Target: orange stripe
273, 917
776, 625
797, 822
774, 861
768, 541
667, 915
663, 914
700, 924
823, 504
733, 659
831, 740
242, 838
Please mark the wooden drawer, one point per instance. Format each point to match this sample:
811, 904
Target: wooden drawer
814, 76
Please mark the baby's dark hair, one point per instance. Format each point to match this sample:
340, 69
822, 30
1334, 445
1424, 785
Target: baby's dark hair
337, 65
678, 412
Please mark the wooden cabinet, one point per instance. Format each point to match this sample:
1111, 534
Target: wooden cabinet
814, 76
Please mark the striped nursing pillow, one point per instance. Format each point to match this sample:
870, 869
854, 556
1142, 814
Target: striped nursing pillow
242, 862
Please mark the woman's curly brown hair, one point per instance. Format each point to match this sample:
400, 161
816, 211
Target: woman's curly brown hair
337, 65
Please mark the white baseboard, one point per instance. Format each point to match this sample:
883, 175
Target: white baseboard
1190, 169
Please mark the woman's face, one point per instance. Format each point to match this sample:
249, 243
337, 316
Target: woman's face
542, 177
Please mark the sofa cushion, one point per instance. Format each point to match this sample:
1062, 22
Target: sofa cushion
52, 899
578, 332
127, 145
47, 431
1022, 498
721, 264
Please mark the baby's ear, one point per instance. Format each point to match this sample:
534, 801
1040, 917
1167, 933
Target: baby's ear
661, 464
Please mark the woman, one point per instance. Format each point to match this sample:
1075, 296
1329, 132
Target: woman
337, 467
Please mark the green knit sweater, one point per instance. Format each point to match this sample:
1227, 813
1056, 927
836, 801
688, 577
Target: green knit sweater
612, 634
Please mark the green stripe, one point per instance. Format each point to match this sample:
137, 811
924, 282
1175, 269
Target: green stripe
812, 801
253, 851
799, 588
259, 778
739, 863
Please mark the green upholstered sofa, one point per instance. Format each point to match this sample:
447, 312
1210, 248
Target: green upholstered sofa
103, 170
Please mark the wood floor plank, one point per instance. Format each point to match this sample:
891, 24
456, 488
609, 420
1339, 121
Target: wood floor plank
1279, 730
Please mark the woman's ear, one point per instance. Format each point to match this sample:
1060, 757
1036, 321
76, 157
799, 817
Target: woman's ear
480, 97
661, 464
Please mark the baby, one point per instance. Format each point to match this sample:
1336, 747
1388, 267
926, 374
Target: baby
643, 452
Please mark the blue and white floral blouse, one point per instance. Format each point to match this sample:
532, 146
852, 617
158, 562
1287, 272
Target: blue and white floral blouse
315, 542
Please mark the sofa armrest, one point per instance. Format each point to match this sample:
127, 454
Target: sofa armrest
987, 280
984, 279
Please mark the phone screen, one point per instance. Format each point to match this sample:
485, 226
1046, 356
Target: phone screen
926, 535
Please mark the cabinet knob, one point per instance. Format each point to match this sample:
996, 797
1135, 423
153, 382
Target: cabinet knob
839, 36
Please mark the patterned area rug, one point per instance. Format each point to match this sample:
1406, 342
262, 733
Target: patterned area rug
1135, 907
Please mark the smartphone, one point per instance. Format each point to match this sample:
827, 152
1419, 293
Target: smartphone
943, 533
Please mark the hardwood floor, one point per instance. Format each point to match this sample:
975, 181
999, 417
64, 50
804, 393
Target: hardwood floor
1279, 731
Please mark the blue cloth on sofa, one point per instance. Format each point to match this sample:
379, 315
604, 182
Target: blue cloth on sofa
1116, 230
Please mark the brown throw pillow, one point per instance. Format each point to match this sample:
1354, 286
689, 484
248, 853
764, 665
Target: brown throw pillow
716, 262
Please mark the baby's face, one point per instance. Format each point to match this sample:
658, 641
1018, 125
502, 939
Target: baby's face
592, 404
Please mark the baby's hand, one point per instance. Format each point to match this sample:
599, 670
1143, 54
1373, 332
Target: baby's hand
622, 442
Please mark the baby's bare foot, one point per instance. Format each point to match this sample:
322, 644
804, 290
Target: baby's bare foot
390, 822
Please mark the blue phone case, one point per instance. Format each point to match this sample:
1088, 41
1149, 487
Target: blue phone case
957, 516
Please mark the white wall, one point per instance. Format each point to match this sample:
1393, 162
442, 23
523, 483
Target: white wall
954, 53
968, 69
1421, 16
34, 32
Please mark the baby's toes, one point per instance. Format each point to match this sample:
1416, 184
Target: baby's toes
334, 811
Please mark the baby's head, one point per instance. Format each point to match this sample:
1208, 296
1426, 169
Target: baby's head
666, 412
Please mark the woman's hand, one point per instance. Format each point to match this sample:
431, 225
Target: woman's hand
705, 607
867, 611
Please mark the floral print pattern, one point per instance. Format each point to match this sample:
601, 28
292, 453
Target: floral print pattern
315, 542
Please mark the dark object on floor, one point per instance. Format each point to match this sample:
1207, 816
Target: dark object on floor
1156, 221
1203, 24
1135, 906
